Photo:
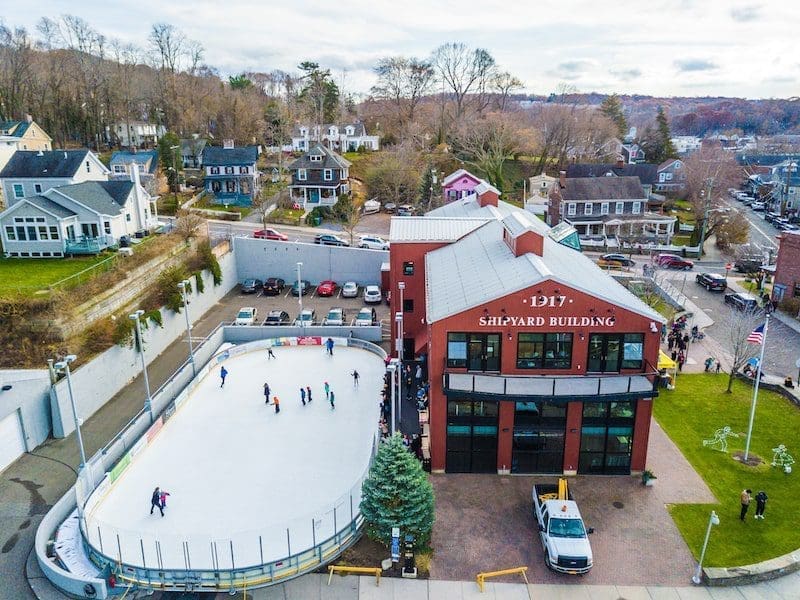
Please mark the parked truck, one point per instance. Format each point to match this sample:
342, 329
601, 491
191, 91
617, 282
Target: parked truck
561, 529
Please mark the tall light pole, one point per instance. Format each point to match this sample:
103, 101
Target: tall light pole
392, 367
697, 578
136, 318
401, 285
183, 286
755, 390
398, 317
62, 366
300, 291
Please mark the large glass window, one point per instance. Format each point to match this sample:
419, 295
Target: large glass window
474, 351
457, 350
610, 352
544, 351
632, 350
538, 442
471, 436
606, 437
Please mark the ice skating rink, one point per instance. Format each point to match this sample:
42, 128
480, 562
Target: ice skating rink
236, 470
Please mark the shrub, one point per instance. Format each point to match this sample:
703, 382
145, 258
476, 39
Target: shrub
123, 331
155, 317
99, 336
198, 282
209, 261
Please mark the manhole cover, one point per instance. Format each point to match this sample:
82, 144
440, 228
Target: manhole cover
618, 504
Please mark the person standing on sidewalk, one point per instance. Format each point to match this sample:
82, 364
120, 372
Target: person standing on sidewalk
355, 378
331, 398
327, 391
308, 392
745, 498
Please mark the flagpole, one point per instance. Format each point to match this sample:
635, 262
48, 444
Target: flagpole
755, 392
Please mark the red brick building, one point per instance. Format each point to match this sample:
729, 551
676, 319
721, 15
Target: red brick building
787, 267
539, 362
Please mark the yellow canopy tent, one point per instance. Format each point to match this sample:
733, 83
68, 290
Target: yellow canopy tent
668, 369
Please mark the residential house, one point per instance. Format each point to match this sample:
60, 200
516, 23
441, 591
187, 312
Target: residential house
787, 267
231, 174
686, 144
611, 209
80, 218
319, 177
538, 193
192, 152
145, 162
632, 153
786, 181
459, 184
671, 177
341, 138
21, 135
31, 173
135, 134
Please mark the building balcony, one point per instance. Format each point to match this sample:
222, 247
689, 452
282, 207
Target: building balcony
564, 388
87, 245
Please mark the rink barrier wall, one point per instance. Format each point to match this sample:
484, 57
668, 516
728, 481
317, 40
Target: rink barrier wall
95, 481
241, 335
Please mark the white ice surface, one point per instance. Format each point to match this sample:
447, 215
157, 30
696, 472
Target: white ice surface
235, 470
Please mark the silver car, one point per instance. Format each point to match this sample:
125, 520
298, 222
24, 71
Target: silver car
335, 317
350, 290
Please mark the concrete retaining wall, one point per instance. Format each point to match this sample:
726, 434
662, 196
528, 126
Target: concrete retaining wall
764, 571
29, 394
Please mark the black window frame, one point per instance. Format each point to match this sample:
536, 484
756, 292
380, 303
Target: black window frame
408, 305
548, 343
408, 268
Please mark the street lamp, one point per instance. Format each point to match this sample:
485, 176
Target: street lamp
136, 318
392, 368
183, 286
401, 285
398, 317
300, 292
62, 366
697, 578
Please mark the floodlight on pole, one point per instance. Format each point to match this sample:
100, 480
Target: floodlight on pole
300, 291
62, 366
184, 286
392, 368
136, 318
697, 578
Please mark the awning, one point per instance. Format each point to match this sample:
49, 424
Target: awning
665, 362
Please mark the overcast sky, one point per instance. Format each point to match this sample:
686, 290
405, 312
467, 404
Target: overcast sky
664, 48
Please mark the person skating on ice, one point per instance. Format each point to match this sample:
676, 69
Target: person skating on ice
355, 377
327, 391
329, 346
266, 393
331, 398
162, 496
303, 396
308, 393
270, 354
155, 501
223, 373
277, 404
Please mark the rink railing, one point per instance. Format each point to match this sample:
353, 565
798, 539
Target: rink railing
140, 561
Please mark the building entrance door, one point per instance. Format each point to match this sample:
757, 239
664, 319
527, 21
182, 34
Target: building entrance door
538, 443
471, 436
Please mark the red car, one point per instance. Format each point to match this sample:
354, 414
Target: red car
673, 261
326, 288
270, 234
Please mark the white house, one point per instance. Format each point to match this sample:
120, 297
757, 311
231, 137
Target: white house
341, 138
135, 134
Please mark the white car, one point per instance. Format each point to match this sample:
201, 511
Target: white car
335, 317
247, 316
350, 290
305, 318
365, 317
372, 294
373, 242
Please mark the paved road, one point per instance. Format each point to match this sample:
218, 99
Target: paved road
761, 232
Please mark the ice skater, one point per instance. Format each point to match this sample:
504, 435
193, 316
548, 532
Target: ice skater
155, 501
303, 395
329, 346
223, 373
270, 354
327, 391
277, 404
355, 377
331, 398
266, 393
162, 496
308, 393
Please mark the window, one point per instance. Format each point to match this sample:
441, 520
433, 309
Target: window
19, 191
243, 170
408, 268
632, 350
21, 234
474, 351
327, 174
215, 170
619, 207
43, 233
31, 233
637, 208
571, 209
10, 233
544, 351
662, 177
604, 208
587, 208
88, 167
669, 176
119, 169
229, 170
796, 291
54, 232
610, 352
408, 305
107, 227
37, 187
301, 175
315, 158
457, 350
128, 217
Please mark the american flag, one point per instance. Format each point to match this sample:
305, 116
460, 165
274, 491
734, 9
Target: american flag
757, 335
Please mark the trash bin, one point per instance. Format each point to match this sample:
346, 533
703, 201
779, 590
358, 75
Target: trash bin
317, 221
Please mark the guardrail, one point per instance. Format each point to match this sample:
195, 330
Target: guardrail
481, 577
344, 570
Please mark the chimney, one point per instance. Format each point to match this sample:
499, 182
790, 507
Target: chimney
487, 197
529, 242
227, 144
620, 162
28, 119
135, 174
562, 179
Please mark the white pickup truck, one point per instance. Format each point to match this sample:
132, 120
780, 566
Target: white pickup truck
561, 530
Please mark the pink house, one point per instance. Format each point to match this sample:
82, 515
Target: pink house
459, 184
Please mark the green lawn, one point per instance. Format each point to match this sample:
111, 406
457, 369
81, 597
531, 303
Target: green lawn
690, 414
31, 274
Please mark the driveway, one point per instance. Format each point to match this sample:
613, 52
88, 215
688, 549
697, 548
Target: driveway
484, 523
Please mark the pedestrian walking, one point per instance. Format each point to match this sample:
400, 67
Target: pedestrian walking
155, 501
331, 398
418, 375
223, 373
329, 346
308, 393
162, 496
761, 504
355, 377
674, 355
707, 364
266, 393
303, 395
719, 366
327, 391
270, 354
277, 404
681, 360
745, 500
670, 341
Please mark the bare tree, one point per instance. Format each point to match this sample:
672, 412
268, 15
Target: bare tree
465, 71
505, 84
709, 170
16, 74
403, 81
394, 176
738, 325
187, 225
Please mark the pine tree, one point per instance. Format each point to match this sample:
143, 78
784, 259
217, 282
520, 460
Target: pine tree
612, 108
665, 138
397, 493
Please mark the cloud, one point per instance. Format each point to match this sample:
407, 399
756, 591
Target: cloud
747, 13
626, 74
695, 64
571, 70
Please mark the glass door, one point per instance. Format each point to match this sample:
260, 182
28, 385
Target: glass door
483, 352
471, 437
605, 353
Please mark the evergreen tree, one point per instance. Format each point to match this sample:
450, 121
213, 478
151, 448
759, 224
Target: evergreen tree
668, 150
397, 493
429, 191
169, 153
612, 108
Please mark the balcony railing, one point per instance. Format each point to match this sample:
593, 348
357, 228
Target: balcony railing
87, 245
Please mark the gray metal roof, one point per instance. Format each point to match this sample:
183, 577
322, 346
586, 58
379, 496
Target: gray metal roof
53, 163
431, 229
469, 207
646, 172
147, 158
480, 268
330, 160
103, 197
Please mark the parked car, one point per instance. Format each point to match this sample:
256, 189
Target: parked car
301, 287
562, 531
371, 207
247, 316
273, 286
372, 294
326, 288
742, 301
712, 281
328, 239
406, 210
759, 206
615, 260
673, 261
306, 318
748, 263
366, 317
390, 207
270, 234
350, 290
335, 316
373, 242
771, 216
277, 317
251, 286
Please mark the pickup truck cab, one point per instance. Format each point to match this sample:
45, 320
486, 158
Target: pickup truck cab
561, 530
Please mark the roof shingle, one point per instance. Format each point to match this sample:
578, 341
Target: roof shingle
53, 163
